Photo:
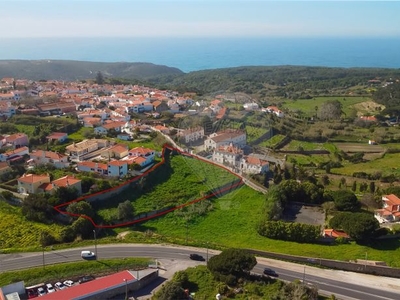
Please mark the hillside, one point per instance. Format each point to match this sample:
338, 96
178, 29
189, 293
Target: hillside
80, 70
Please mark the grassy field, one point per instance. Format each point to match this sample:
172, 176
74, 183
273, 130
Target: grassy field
17, 232
308, 105
71, 271
186, 179
307, 160
272, 142
253, 133
388, 164
358, 147
295, 145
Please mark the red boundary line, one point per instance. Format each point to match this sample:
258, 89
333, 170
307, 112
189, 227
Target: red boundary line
166, 146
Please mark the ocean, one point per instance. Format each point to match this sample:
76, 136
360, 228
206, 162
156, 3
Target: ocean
193, 54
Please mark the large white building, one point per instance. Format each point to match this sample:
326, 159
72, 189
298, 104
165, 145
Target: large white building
228, 137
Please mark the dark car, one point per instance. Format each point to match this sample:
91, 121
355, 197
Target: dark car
270, 272
196, 257
85, 279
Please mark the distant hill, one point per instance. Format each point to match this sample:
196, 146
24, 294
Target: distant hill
80, 70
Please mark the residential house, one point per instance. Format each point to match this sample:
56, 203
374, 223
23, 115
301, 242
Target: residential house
30, 183
228, 155
113, 125
274, 110
40, 157
160, 106
117, 168
162, 129
191, 134
334, 234
7, 110
117, 151
390, 212
138, 160
253, 165
173, 106
16, 153
77, 150
59, 137
91, 166
226, 137
66, 181
17, 140
4, 168
216, 105
124, 136
251, 106
145, 153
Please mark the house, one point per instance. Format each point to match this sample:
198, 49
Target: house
226, 137
58, 160
390, 212
124, 136
251, 106
138, 160
30, 183
191, 134
253, 165
333, 233
371, 119
227, 155
113, 125
117, 151
160, 106
91, 166
162, 129
77, 150
7, 110
117, 168
147, 154
19, 152
4, 168
60, 137
274, 110
17, 140
66, 181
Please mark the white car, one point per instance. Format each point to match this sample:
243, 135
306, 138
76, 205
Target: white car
60, 285
41, 291
68, 283
87, 254
50, 288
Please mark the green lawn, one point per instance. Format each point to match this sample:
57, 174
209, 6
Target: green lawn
273, 141
253, 133
308, 106
295, 145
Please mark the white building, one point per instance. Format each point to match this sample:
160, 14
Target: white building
225, 138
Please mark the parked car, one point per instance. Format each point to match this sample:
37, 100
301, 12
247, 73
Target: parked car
68, 283
32, 294
60, 285
196, 257
85, 279
41, 291
50, 288
87, 254
270, 272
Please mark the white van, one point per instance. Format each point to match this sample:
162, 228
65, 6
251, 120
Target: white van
87, 254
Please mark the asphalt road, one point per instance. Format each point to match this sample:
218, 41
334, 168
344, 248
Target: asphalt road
344, 290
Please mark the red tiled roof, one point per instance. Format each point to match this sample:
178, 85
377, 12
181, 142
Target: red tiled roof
92, 287
56, 135
393, 199
65, 181
335, 233
31, 178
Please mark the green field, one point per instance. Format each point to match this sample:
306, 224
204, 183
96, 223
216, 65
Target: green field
184, 180
388, 164
273, 141
308, 105
18, 233
295, 145
254, 133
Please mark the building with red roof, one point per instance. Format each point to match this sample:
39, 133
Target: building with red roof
390, 212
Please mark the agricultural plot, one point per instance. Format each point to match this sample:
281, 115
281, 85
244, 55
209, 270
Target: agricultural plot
272, 142
309, 106
296, 145
182, 180
254, 133
357, 147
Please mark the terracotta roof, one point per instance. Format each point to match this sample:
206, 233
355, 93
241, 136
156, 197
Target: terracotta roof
32, 178
16, 151
11, 138
47, 154
256, 161
140, 150
335, 233
56, 135
393, 199
118, 163
66, 181
93, 165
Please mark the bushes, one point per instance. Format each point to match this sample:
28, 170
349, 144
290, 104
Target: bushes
359, 226
295, 232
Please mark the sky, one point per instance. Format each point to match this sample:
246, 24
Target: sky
198, 18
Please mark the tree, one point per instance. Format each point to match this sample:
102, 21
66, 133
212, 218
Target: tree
83, 227
231, 264
330, 110
345, 200
35, 207
46, 239
67, 234
125, 210
80, 208
372, 187
354, 186
359, 226
171, 291
99, 78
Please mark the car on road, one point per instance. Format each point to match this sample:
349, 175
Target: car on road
270, 272
68, 283
85, 279
50, 288
60, 286
41, 291
87, 254
197, 257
